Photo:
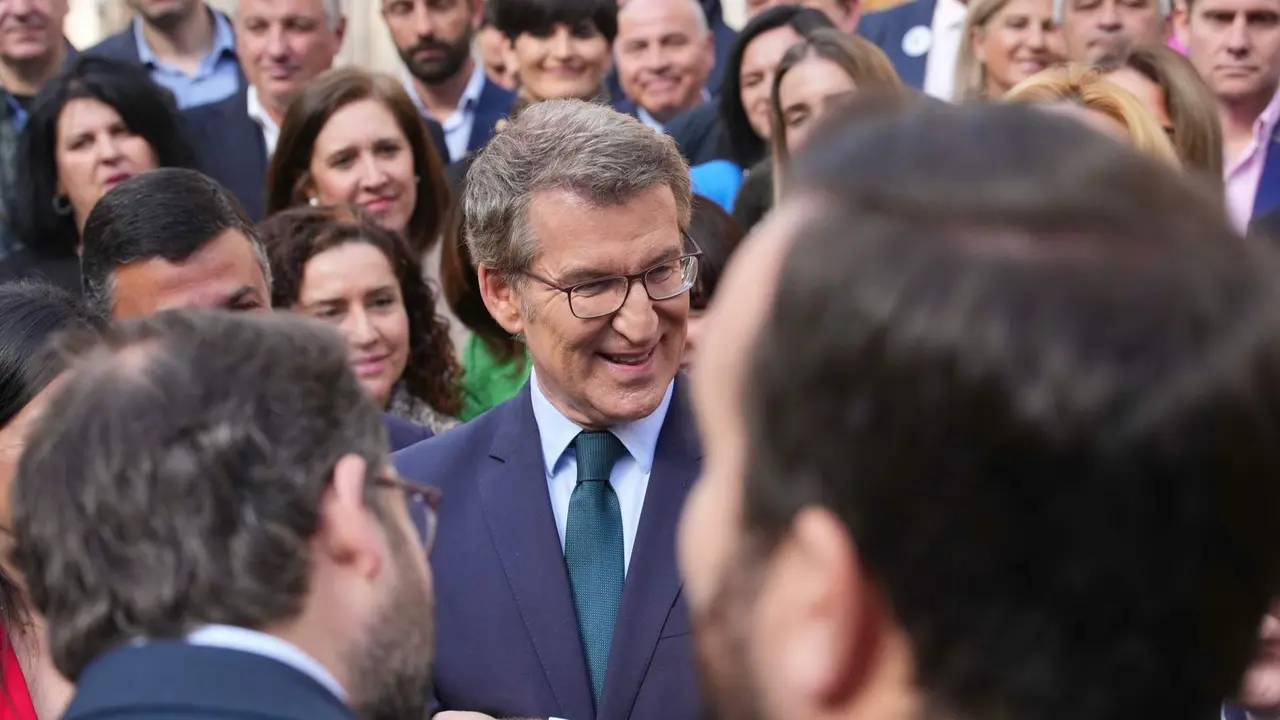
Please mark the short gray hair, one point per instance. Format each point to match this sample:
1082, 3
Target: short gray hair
1060, 9
332, 12
594, 152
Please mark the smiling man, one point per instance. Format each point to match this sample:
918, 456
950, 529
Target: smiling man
1235, 46
559, 595
282, 45
664, 53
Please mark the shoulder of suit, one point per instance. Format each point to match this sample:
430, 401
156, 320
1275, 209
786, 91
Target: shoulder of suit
464, 443
115, 46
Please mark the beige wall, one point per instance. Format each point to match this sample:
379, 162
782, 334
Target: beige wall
367, 42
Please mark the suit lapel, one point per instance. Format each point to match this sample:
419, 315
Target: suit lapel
653, 582
494, 102
518, 509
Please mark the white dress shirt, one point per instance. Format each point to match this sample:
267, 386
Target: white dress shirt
630, 476
258, 113
457, 127
230, 637
940, 67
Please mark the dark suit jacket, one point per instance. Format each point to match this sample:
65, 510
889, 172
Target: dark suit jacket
402, 433
492, 106
507, 640
175, 681
700, 135
888, 28
229, 148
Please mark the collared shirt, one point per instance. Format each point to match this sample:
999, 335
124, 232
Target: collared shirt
230, 637
940, 67
217, 78
630, 476
457, 127
653, 122
1241, 176
258, 113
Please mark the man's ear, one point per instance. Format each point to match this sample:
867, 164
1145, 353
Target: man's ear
501, 298
348, 532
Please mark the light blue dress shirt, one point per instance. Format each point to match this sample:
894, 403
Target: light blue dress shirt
230, 637
217, 78
630, 477
457, 129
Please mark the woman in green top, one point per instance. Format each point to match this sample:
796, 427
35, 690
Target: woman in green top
495, 365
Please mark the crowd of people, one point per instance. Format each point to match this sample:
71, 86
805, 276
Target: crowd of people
609, 363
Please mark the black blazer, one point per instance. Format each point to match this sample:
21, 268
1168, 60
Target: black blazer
229, 148
172, 680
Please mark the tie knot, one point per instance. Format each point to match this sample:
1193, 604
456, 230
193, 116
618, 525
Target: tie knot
597, 451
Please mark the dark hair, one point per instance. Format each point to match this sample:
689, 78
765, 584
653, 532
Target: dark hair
295, 236
755, 197
31, 313
514, 18
1049, 361
288, 174
717, 235
167, 213
746, 148
195, 445
461, 288
146, 109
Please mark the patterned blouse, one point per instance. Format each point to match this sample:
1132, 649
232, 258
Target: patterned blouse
407, 407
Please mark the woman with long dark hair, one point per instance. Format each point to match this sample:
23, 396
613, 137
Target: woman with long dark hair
341, 266
30, 314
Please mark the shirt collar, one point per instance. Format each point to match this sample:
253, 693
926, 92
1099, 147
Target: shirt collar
470, 94
224, 40
258, 113
557, 432
949, 13
258, 643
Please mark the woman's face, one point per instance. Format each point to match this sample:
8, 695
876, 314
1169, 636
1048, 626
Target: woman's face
353, 287
13, 439
1017, 42
803, 94
95, 151
759, 63
566, 63
1148, 93
362, 157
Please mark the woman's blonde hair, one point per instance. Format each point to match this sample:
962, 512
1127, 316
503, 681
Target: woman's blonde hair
971, 75
865, 64
1086, 86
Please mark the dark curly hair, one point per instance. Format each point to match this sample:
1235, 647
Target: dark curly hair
295, 236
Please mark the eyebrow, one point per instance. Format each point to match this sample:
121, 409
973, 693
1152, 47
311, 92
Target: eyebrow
238, 296
577, 276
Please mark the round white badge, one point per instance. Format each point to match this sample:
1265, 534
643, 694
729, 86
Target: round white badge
917, 41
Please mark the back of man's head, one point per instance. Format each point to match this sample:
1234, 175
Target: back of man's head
179, 479
167, 214
1038, 385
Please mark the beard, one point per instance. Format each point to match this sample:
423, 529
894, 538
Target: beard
453, 55
391, 668
162, 18
724, 649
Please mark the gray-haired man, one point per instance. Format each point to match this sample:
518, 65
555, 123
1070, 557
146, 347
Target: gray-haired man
558, 589
1098, 30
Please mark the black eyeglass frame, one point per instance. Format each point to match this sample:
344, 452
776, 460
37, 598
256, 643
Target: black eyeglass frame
630, 279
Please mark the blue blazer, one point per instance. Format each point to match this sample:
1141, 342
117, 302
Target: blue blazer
171, 680
402, 433
888, 30
229, 148
493, 104
507, 640
124, 46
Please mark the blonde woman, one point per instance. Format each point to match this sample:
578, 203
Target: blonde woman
814, 73
1084, 93
1005, 42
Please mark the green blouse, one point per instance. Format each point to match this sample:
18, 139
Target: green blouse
488, 381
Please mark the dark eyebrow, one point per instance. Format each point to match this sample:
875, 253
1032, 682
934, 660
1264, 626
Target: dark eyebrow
578, 276
235, 298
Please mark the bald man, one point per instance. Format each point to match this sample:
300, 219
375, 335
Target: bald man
665, 53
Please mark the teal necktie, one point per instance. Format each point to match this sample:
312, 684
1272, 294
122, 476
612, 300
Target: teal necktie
593, 550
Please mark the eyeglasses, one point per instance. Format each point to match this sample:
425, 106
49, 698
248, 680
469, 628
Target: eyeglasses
606, 296
423, 502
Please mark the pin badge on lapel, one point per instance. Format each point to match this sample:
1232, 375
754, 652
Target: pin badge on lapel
917, 41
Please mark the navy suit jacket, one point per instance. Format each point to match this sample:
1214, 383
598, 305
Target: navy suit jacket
229, 147
402, 433
507, 640
124, 46
171, 680
888, 28
493, 104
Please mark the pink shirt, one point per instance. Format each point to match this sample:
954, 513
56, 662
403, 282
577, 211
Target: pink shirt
1242, 174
